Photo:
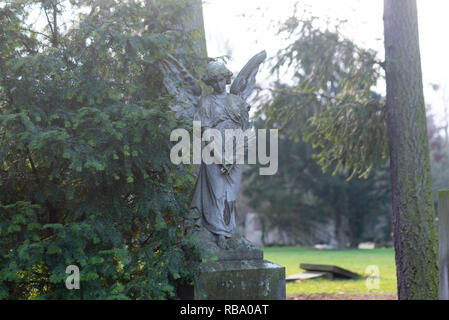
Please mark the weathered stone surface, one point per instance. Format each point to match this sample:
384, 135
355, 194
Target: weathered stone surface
240, 280
240, 248
237, 273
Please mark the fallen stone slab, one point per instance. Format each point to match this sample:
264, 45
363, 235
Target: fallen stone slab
336, 271
308, 275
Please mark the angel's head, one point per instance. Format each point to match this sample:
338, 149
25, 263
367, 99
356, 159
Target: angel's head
217, 76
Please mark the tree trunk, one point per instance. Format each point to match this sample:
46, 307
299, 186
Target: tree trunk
193, 23
414, 227
341, 230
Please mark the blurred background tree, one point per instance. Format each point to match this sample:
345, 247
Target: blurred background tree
332, 83
329, 117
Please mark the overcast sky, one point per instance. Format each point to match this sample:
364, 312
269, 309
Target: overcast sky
241, 28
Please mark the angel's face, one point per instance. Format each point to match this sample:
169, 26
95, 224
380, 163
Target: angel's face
219, 85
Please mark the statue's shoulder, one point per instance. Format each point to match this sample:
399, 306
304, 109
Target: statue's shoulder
206, 99
205, 102
238, 101
235, 98
204, 111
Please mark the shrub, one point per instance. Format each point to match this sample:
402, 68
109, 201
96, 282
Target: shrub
86, 177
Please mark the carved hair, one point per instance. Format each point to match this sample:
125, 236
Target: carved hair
216, 70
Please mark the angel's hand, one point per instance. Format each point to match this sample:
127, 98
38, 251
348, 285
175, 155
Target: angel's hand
223, 170
226, 169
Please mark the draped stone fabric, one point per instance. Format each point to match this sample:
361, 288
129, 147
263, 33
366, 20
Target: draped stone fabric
215, 192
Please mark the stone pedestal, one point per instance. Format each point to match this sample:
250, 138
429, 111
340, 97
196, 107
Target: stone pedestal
241, 280
238, 273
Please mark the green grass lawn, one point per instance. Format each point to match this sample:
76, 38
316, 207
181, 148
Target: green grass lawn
355, 260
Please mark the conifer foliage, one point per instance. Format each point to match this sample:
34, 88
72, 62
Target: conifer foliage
85, 172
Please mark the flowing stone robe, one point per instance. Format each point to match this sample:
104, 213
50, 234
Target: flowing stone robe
215, 193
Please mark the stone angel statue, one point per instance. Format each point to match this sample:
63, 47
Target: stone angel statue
215, 193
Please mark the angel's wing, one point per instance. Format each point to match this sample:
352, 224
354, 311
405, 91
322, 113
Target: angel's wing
245, 81
182, 85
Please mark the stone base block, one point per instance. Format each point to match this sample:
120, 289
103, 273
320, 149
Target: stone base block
240, 280
240, 248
